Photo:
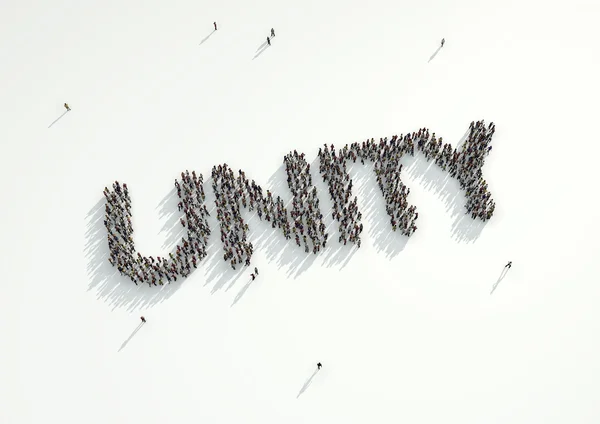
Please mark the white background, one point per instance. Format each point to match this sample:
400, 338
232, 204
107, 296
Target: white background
407, 330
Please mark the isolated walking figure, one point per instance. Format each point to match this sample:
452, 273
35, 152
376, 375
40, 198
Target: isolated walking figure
508, 265
443, 41
253, 276
272, 32
143, 319
319, 365
256, 270
67, 107
215, 24
268, 41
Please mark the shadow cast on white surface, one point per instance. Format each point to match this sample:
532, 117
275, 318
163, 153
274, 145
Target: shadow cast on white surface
138, 328
172, 229
242, 292
58, 119
262, 46
261, 50
464, 228
502, 275
205, 39
434, 54
307, 383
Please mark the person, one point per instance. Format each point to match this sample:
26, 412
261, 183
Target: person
443, 41
319, 365
215, 24
67, 107
508, 265
272, 32
143, 319
256, 270
253, 276
268, 41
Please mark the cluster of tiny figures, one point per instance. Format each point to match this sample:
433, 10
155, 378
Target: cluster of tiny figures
234, 191
464, 165
142, 269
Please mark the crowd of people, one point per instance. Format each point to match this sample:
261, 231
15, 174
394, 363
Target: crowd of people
464, 165
142, 269
386, 155
477, 146
306, 225
306, 213
235, 191
334, 171
230, 191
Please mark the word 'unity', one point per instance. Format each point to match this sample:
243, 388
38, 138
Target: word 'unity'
304, 221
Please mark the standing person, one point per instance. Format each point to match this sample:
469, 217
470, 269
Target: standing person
319, 365
256, 270
67, 107
443, 41
268, 41
143, 319
272, 32
253, 276
508, 265
215, 24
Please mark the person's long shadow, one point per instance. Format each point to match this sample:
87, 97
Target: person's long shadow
57, 119
141, 324
435, 54
262, 46
502, 275
261, 50
172, 228
205, 39
303, 389
241, 292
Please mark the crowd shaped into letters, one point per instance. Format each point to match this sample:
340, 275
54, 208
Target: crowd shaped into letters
232, 192
464, 165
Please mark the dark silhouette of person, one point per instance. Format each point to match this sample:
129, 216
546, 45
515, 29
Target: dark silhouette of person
508, 265
143, 319
319, 365
268, 41
215, 24
256, 270
272, 32
67, 107
443, 41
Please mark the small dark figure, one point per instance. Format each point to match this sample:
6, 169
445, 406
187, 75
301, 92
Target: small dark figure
319, 365
256, 270
143, 319
508, 265
215, 24
67, 107
268, 41
272, 32
443, 41
253, 276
